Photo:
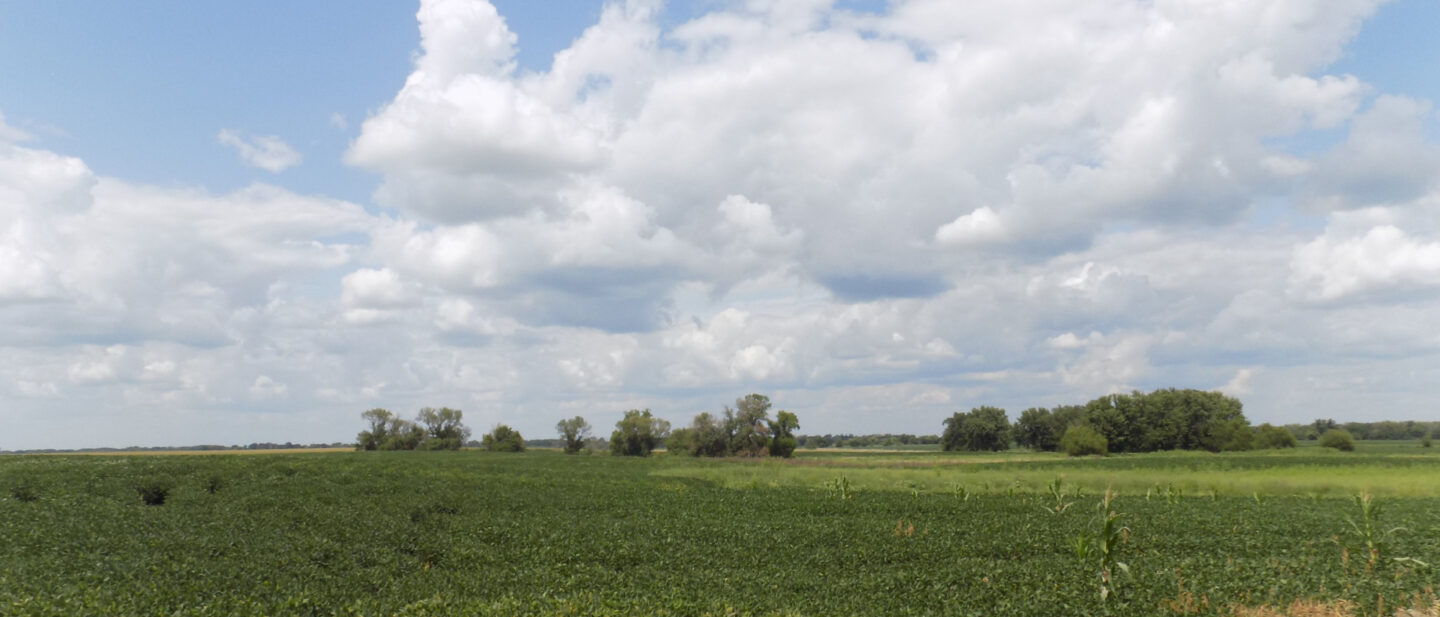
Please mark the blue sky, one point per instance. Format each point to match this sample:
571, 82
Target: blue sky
96, 80
875, 212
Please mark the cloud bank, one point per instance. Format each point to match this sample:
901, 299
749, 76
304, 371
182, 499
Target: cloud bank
877, 219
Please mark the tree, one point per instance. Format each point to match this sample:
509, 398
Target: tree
748, 425
378, 432
638, 433
1081, 440
983, 429
1338, 438
444, 428
503, 439
1036, 430
782, 431
573, 433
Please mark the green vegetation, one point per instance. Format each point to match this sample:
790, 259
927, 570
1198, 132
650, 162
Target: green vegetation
746, 430
433, 429
541, 533
1339, 439
983, 429
1081, 440
638, 433
503, 439
573, 433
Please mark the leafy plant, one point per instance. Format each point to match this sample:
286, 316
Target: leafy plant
1366, 533
153, 492
1111, 535
1056, 488
840, 488
25, 493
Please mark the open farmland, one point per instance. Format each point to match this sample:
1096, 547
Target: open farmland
460, 533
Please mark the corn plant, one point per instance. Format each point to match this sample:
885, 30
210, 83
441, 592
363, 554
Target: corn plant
1111, 535
840, 488
1056, 488
1369, 537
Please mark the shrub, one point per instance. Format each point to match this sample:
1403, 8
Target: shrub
503, 439
1425, 441
153, 492
1081, 440
1268, 436
783, 447
1338, 438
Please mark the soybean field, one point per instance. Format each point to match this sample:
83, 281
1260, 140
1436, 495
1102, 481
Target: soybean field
543, 533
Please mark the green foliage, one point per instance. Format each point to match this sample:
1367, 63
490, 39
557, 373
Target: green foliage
154, 491
783, 446
1339, 439
434, 429
546, 534
503, 439
1081, 440
749, 425
1274, 437
573, 433
25, 492
444, 428
1425, 441
982, 429
638, 433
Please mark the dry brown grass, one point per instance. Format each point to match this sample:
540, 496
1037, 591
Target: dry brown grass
1340, 608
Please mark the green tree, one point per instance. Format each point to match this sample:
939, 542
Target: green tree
1081, 440
1338, 438
379, 431
444, 428
573, 433
1035, 429
503, 439
782, 431
638, 433
983, 429
748, 425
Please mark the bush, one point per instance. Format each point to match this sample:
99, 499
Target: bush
1081, 440
1267, 436
503, 439
783, 447
1338, 438
1425, 441
153, 492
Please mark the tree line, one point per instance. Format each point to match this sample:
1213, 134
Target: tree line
1166, 419
746, 430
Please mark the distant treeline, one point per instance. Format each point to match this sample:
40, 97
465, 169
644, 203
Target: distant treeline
1387, 430
265, 445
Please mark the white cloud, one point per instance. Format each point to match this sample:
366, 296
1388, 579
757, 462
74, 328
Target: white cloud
267, 152
875, 218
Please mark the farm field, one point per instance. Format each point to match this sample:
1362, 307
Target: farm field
828, 533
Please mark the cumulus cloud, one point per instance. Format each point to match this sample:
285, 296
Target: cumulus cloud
876, 218
267, 152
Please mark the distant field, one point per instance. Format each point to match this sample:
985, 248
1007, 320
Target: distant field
541, 533
1383, 468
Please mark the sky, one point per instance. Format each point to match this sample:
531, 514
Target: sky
228, 224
